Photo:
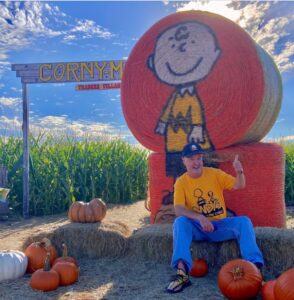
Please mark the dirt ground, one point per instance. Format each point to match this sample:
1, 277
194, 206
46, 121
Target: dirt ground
105, 278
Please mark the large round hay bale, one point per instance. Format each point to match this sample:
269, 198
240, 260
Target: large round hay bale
271, 101
237, 101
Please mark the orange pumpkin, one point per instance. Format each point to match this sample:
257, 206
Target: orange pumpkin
239, 279
284, 287
65, 256
68, 272
83, 212
45, 279
199, 268
36, 253
267, 290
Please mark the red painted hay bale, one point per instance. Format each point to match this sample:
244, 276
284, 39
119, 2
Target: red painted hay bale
263, 198
240, 100
159, 184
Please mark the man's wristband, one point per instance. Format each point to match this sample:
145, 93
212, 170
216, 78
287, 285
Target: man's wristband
240, 172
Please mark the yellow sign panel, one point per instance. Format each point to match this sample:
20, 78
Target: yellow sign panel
106, 70
70, 71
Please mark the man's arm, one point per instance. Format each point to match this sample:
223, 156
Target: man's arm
204, 222
240, 178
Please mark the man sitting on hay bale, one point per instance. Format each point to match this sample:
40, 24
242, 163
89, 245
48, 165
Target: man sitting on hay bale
201, 214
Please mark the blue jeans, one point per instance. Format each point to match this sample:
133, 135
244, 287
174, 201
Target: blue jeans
240, 228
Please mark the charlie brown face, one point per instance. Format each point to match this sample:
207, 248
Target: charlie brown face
184, 53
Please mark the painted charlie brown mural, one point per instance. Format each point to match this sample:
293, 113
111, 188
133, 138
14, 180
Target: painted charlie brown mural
184, 54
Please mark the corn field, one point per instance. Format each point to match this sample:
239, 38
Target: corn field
289, 179
65, 170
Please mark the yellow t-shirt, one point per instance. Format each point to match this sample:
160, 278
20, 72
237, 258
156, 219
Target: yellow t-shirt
204, 195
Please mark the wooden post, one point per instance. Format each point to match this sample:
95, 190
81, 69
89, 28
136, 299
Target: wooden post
26, 167
3, 176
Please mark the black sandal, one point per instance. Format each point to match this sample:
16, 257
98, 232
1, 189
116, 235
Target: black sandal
178, 282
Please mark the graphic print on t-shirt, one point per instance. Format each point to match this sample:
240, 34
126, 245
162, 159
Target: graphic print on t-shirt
208, 207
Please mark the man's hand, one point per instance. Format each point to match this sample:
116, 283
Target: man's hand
240, 179
205, 224
237, 164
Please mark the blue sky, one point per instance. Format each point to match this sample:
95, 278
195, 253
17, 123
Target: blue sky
71, 31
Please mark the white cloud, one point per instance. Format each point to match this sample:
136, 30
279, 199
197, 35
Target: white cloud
69, 38
218, 7
61, 125
283, 59
23, 22
280, 120
10, 126
15, 89
88, 29
120, 44
4, 66
11, 102
270, 24
79, 129
10, 122
281, 140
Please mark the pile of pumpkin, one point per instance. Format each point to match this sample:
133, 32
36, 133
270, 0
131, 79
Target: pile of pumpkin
43, 255
40, 256
37, 260
239, 279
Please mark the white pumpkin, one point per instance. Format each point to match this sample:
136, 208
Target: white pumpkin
13, 264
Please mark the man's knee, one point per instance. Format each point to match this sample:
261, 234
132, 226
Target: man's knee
244, 221
181, 222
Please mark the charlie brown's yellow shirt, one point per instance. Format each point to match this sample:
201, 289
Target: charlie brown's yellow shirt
204, 195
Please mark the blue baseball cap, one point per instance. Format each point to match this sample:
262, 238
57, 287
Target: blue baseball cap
192, 149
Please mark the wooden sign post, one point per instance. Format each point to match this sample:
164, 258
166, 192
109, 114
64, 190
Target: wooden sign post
58, 73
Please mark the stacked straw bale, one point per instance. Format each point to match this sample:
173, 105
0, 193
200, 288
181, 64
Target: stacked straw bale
91, 240
154, 243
